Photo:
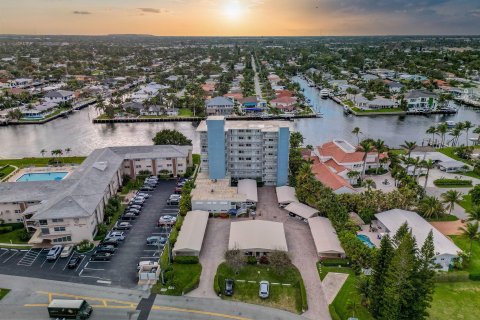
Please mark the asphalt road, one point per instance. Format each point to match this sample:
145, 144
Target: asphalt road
119, 271
29, 299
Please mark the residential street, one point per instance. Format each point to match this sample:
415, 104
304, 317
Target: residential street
258, 89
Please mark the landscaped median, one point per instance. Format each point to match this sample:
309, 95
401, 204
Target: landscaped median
3, 293
452, 183
287, 290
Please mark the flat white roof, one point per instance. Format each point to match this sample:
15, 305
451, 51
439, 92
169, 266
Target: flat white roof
393, 219
286, 195
248, 187
192, 233
257, 235
324, 236
301, 210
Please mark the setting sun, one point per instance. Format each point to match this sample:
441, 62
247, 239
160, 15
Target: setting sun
233, 10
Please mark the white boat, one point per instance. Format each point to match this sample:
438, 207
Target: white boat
324, 93
450, 123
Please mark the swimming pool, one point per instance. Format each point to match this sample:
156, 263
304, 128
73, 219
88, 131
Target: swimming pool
366, 240
42, 176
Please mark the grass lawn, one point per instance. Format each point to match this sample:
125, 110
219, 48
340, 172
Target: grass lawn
185, 112
464, 244
281, 297
340, 309
450, 151
3, 293
466, 202
447, 217
456, 300
13, 235
39, 162
196, 159
5, 171
186, 278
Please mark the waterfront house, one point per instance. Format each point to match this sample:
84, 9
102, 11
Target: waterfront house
374, 104
250, 104
394, 86
219, 106
133, 107
58, 96
38, 111
421, 99
284, 103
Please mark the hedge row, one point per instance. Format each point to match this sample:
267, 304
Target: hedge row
6, 229
186, 259
458, 276
335, 262
194, 282
474, 276
452, 182
303, 296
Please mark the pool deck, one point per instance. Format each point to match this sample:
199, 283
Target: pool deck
373, 236
21, 172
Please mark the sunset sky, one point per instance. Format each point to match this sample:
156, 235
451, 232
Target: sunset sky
240, 17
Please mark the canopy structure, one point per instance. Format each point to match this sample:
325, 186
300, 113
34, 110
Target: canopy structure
248, 187
190, 238
257, 236
301, 210
325, 238
286, 195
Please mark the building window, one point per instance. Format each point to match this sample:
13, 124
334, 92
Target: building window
45, 231
58, 229
138, 166
43, 222
57, 220
17, 211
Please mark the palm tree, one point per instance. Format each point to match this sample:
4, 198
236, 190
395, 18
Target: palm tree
416, 162
456, 132
471, 232
477, 131
356, 131
431, 207
427, 164
409, 146
450, 198
467, 125
432, 130
352, 175
67, 151
366, 147
369, 184
381, 148
442, 129
42, 152
474, 214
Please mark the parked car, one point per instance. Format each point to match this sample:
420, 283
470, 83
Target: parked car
122, 225
178, 190
174, 199
144, 195
67, 250
167, 219
156, 240
54, 252
132, 210
74, 262
101, 256
106, 248
147, 263
264, 290
139, 202
120, 235
229, 287
110, 242
146, 188
128, 217
134, 206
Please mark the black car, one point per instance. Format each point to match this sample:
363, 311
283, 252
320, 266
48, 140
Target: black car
128, 217
110, 242
146, 188
101, 256
106, 248
74, 262
229, 287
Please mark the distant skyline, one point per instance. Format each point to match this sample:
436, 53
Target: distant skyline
241, 17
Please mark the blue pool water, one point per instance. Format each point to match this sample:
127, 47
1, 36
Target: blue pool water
44, 176
366, 240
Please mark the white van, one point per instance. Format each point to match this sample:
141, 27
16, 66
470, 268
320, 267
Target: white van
54, 252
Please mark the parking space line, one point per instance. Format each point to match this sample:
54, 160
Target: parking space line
81, 263
55, 263
68, 261
13, 255
6, 251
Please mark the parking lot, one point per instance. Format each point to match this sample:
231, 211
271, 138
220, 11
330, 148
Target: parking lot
120, 270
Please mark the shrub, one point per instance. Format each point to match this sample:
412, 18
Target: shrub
475, 194
251, 260
6, 229
216, 285
452, 182
474, 276
84, 246
25, 235
336, 262
263, 260
186, 259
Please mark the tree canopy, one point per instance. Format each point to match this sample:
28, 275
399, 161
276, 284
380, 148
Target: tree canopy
173, 137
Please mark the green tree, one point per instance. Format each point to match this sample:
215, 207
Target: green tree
430, 207
279, 261
432, 130
427, 164
356, 131
450, 198
381, 263
171, 137
475, 194
467, 125
474, 214
365, 146
471, 232
409, 146
296, 140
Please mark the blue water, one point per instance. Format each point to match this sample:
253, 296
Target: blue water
45, 176
366, 240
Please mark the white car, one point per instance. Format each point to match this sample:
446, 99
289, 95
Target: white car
67, 250
264, 290
167, 219
144, 195
118, 235
146, 263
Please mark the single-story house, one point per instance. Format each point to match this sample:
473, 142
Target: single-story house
377, 103
190, 237
257, 237
286, 195
301, 210
445, 250
325, 238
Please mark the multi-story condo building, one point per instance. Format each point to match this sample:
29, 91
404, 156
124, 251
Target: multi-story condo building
69, 210
245, 149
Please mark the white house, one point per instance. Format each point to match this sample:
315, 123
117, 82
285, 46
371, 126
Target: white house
219, 106
421, 99
58, 96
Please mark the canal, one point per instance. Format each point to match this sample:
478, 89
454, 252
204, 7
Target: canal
78, 133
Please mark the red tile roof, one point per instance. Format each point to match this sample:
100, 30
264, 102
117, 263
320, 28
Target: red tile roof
330, 149
327, 177
337, 167
284, 100
283, 93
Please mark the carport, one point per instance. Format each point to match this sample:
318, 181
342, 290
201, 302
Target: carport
301, 210
325, 238
248, 187
286, 195
190, 238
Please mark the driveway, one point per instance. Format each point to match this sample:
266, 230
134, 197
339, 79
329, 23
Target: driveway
301, 249
212, 254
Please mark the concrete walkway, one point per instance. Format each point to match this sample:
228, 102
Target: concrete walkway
332, 283
212, 254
